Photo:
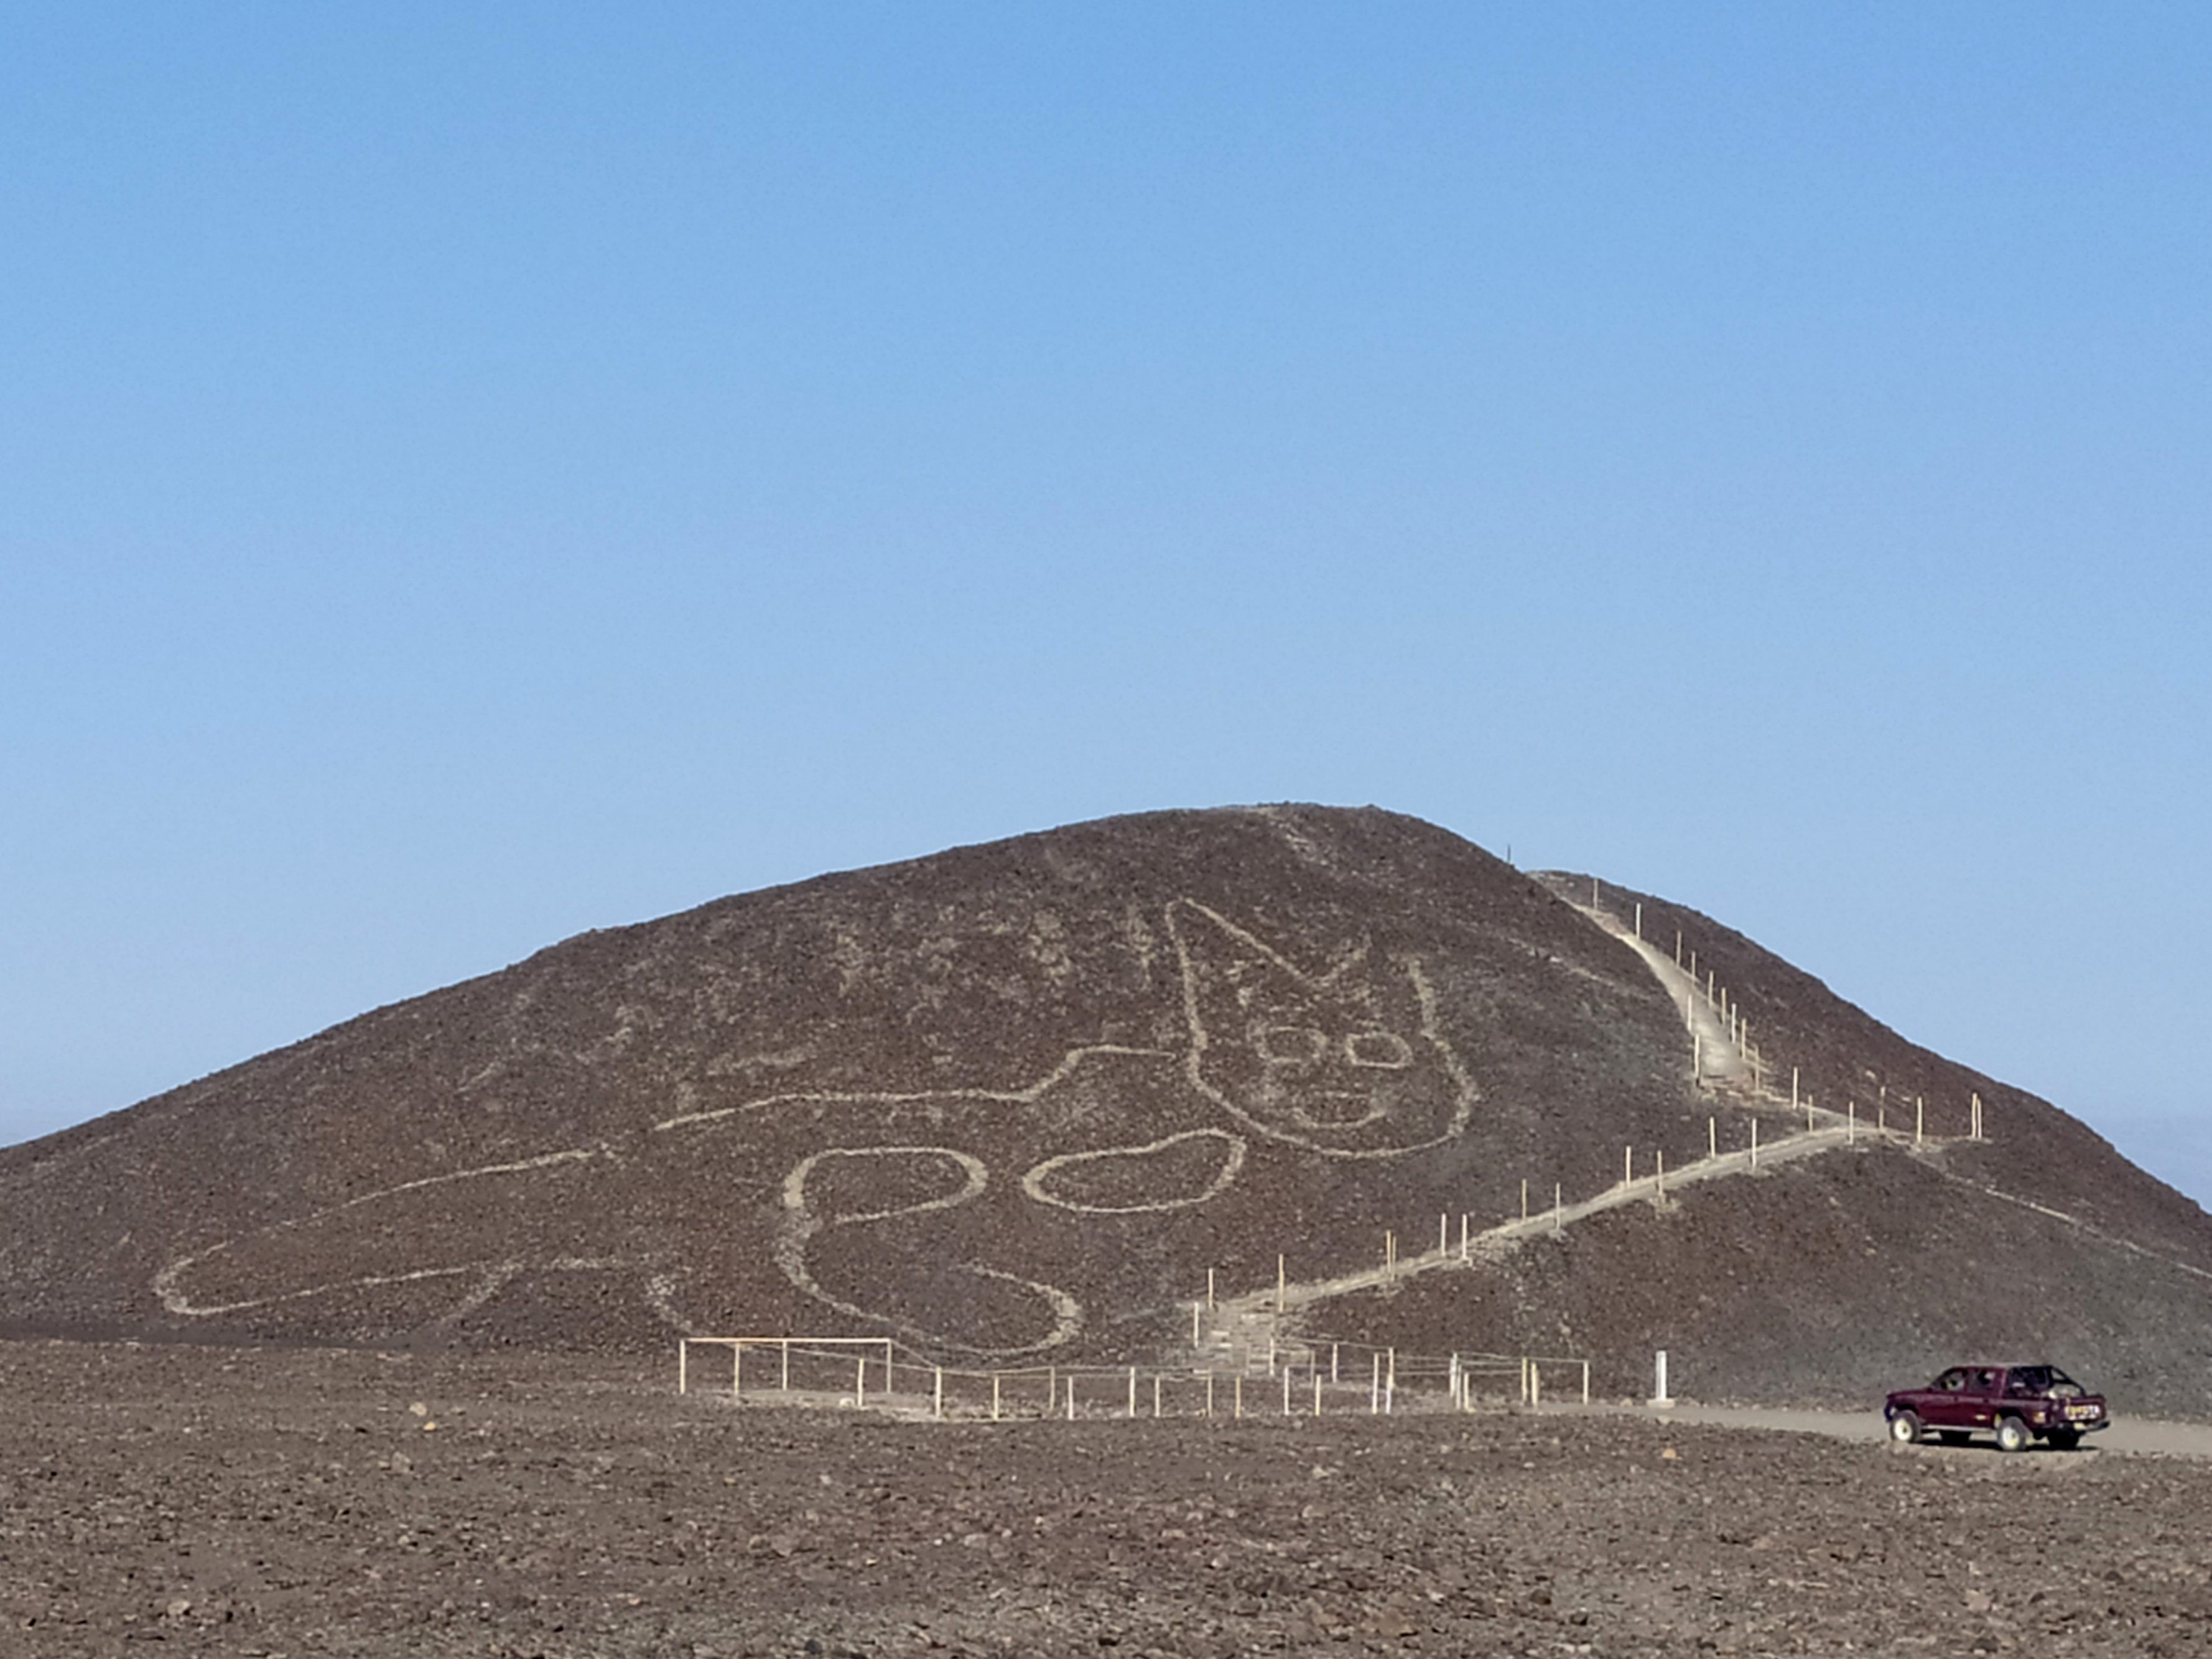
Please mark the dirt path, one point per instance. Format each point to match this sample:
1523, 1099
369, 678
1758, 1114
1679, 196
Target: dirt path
2145, 1436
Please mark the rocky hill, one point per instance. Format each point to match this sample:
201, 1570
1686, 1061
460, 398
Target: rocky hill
1011, 1103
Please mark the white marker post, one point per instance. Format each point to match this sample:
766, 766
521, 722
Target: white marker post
1661, 1399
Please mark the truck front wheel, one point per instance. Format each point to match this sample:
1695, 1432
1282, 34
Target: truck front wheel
2013, 1435
1905, 1428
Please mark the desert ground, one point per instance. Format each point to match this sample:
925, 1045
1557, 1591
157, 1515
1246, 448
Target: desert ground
305, 1501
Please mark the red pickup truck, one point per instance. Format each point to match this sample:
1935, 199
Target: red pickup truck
2019, 1404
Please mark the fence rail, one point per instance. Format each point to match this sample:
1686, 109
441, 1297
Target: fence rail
863, 1371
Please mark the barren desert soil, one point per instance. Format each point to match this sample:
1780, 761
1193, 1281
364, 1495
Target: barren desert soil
221, 1501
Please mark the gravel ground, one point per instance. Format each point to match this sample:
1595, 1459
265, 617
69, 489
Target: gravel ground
307, 1502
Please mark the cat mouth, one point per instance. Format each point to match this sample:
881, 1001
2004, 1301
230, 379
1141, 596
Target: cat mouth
1334, 1110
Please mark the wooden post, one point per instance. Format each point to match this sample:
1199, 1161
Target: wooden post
1639, 918
1678, 947
1659, 1177
1443, 1234
1209, 1394
1809, 1114
1282, 1282
1558, 1220
1712, 1137
1628, 1165
1389, 1380
1524, 1198
1133, 1390
1375, 1388
1209, 1289
938, 1392
887, 1388
1286, 1390
785, 1383
1919, 1119
1071, 1397
737, 1369
1195, 1310
1463, 1236
1156, 1393
1332, 1362
1881, 1118
1593, 903
1585, 1382
995, 1396
1977, 1117
1240, 1394
1535, 1385
1793, 1088
860, 1381
1754, 1143
682, 1364
1697, 1057
1851, 1123
1524, 1379
1316, 1382
1051, 1388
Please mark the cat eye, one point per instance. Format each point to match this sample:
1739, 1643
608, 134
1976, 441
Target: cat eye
1295, 1044
1384, 1049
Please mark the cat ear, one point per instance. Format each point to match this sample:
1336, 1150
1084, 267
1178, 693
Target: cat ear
1229, 973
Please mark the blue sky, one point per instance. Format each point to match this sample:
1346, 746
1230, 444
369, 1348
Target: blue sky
470, 474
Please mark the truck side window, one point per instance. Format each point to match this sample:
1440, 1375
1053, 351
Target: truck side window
1952, 1380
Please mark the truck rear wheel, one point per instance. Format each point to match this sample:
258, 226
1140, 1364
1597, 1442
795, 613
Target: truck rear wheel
2063, 1439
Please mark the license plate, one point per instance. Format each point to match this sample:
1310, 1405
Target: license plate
2079, 1411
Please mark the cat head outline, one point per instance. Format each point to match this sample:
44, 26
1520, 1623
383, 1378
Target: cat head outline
1349, 1062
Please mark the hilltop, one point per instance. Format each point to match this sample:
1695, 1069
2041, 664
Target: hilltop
1011, 1102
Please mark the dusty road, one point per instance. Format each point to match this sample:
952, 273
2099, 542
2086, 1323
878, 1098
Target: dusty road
297, 1503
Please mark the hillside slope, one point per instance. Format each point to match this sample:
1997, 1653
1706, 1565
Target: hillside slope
1011, 1102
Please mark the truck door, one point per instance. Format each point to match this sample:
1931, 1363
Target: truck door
1984, 1391
1945, 1402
